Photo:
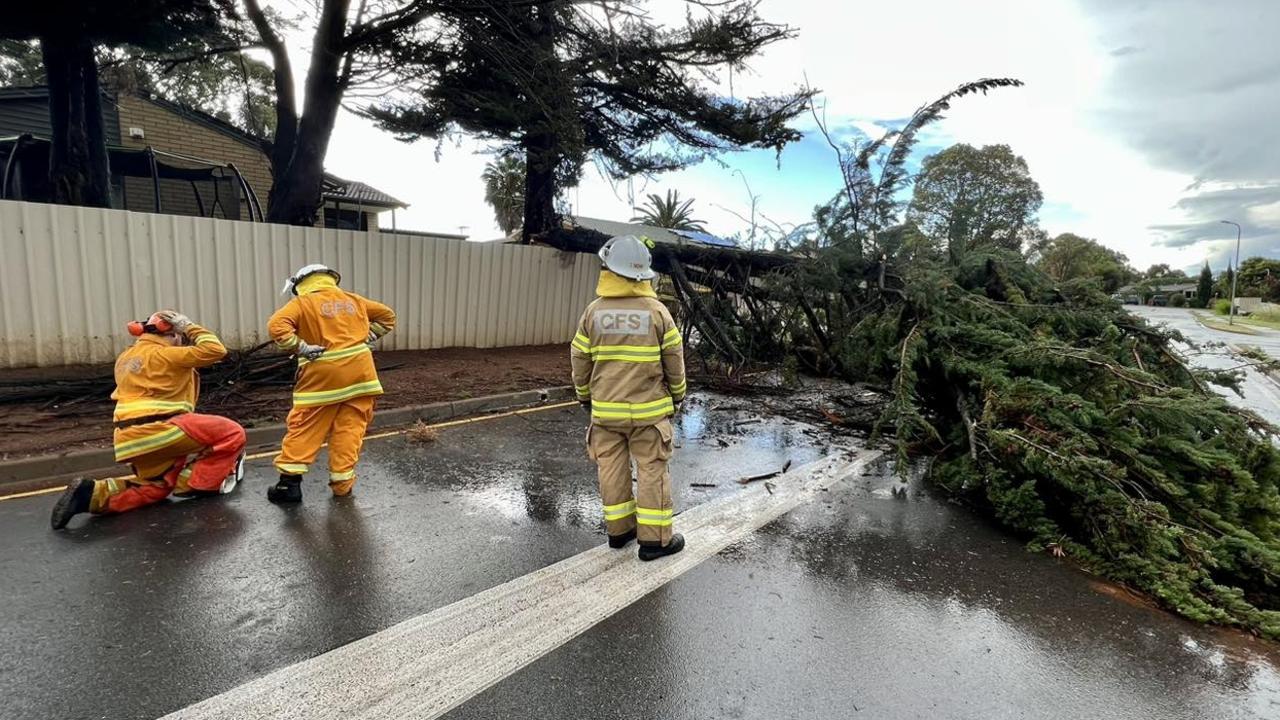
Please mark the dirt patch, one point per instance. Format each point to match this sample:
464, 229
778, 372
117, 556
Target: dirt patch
410, 377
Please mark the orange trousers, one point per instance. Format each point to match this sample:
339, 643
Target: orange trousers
650, 510
342, 425
216, 443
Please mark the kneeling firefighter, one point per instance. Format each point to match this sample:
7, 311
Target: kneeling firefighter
332, 332
170, 448
628, 370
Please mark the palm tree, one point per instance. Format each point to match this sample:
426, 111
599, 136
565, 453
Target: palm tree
504, 190
669, 212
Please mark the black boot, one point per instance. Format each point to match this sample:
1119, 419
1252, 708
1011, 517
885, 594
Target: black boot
73, 501
288, 490
620, 541
653, 552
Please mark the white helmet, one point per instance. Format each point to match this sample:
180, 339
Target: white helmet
628, 256
291, 284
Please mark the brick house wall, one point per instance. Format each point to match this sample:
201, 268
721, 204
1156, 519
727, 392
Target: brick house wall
169, 130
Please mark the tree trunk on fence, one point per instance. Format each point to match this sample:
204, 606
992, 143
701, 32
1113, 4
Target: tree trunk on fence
541, 160
79, 170
297, 188
286, 135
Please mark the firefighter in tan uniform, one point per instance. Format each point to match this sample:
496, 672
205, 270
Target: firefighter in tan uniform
332, 332
170, 448
628, 369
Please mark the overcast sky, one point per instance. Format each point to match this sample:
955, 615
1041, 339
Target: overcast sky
1145, 122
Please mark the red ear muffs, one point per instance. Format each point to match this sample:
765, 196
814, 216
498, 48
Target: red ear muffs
138, 327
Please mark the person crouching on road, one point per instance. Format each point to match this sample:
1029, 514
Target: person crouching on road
628, 370
332, 332
170, 448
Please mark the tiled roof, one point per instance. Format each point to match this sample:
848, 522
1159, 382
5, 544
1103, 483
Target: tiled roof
358, 193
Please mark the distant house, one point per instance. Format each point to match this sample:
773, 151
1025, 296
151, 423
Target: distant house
1155, 293
171, 159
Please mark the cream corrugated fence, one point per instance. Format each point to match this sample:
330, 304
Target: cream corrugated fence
70, 278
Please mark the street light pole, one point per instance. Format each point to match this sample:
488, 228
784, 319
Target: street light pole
1235, 276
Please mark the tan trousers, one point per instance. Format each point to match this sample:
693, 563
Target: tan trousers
650, 511
341, 424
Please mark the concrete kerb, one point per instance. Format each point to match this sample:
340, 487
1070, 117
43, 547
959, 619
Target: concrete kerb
46, 470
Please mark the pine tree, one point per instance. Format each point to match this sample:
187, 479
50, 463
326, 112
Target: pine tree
563, 82
1204, 287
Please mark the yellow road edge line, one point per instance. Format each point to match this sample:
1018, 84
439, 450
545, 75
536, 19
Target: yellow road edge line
377, 436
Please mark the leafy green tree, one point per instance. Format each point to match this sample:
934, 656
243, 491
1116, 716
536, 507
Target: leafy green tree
347, 51
1204, 287
1071, 257
1223, 287
1255, 272
1163, 272
20, 63
669, 212
504, 190
966, 198
70, 34
566, 81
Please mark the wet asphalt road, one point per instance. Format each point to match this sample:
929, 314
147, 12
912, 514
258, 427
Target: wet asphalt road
861, 604
1258, 392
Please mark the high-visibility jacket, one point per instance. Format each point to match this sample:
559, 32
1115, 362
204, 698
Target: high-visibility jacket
324, 314
627, 355
154, 378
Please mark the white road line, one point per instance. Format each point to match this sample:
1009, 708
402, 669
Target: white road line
428, 665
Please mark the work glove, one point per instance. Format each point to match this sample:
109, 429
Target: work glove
179, 321
586, 405
678, 405
373, 338
309, 351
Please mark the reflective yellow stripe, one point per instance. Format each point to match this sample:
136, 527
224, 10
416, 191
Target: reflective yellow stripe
581, 343
340, 476
631, 406
627, 353
654, 516
145, 445
671, 339
630, 349
620, 511
291, 468
583, 391
679, 389
632, 411
378, 329
152, 405
288, 343
627, 358
207, 338
325, 397
337, 354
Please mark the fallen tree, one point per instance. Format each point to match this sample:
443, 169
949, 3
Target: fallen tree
1049, 407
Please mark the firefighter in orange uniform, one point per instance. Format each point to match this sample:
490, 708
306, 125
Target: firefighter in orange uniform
628, 369
332, 332
170, 448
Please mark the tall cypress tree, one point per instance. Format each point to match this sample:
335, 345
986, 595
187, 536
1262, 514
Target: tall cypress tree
563, 81
1204, 286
